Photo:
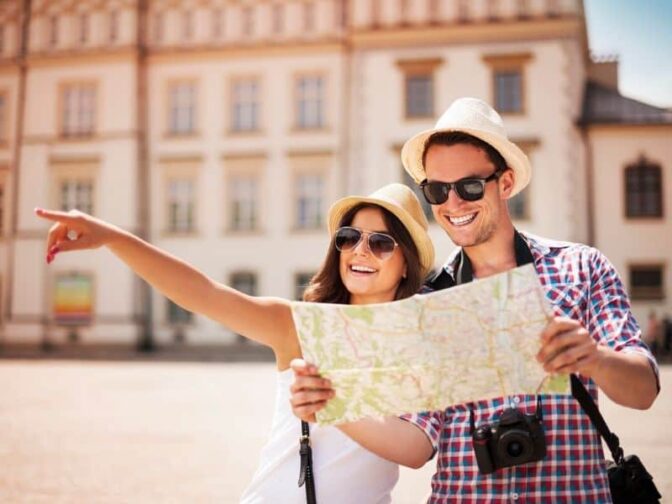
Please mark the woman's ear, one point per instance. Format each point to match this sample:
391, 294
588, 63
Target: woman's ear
405, 273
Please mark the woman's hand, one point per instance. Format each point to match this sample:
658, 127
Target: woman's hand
75, 230
309, 392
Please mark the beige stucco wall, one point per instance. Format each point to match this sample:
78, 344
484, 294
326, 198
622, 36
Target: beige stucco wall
632, 241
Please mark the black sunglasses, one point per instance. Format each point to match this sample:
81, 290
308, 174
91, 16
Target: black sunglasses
469, 188
381, 245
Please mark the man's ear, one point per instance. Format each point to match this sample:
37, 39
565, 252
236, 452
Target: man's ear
506, 181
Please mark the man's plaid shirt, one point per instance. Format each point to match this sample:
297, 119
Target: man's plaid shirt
581, 284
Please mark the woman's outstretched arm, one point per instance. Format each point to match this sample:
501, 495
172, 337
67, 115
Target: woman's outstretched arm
266, 320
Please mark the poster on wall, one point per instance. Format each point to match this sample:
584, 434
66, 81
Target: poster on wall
73, 299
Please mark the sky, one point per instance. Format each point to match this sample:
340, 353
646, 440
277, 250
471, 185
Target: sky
640, 33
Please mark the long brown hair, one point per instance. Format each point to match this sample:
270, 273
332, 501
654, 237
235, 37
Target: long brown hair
327, 286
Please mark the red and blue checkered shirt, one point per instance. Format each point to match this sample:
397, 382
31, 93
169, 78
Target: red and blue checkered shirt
581, 284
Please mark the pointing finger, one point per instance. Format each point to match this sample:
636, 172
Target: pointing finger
54, 215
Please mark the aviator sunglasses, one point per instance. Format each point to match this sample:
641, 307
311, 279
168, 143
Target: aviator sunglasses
469, 188
381, 245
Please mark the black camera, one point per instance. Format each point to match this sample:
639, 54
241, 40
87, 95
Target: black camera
515, 439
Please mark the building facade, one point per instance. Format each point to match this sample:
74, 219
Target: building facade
221, 130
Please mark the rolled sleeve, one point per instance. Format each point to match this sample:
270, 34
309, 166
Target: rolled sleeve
611, 320
430, 423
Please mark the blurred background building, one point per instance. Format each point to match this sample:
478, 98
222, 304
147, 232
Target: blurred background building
222, 130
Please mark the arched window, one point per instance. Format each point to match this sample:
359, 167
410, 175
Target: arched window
643, 189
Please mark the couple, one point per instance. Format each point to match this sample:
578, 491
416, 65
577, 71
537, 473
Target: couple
380, 251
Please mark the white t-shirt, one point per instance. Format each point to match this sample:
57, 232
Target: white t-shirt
344, 471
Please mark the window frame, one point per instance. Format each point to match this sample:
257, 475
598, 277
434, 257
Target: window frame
500, 63
174, 170
646, 293
419, 68
257, 104
320, 125
4, 117
63, 170
171, 87
296, 277
321, 203
79, 133
644, 163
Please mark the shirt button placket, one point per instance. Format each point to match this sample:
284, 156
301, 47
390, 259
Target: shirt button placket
514, 496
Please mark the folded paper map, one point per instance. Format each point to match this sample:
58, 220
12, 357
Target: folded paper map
474, 341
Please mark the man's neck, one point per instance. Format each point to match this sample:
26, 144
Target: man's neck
494, 256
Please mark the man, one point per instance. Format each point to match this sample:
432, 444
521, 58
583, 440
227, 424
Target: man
467, 170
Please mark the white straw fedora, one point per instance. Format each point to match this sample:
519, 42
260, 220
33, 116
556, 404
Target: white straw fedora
477, 118
402, 202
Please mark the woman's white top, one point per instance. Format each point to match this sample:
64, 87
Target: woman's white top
344, 471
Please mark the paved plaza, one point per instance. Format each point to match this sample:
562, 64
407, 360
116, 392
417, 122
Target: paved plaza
166, 432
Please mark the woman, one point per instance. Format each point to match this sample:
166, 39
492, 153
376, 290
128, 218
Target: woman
380, 251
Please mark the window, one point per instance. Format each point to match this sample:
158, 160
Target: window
73, 299
508, 81
419, 87
83, 28
114, 26
309, 102
53, 31
493, 9
245, 282
76, 193
408, 180
248, 21
508, 91
643, 190
181, 205
301, 281
2, 208
523, 7
309, 201
519, 206
79, 110
158, 26
404, 10
553, 7
187, 25
218, 23
182, 111
178, 315
646, 282
419, 96
278, 18
434, 11
243, 201
245, 107
463, 11
3, 118
308, 16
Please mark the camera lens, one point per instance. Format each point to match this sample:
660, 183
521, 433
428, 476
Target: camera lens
514, 448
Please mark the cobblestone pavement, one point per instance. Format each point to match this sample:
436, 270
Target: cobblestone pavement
167, 432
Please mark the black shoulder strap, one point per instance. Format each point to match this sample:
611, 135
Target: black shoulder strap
442, 280
306, 471
586, 401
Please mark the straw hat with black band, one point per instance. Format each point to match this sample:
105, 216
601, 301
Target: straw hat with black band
403, 204
476, 118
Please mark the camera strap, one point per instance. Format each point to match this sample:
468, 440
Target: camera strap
306, 470
586, 401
